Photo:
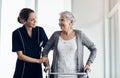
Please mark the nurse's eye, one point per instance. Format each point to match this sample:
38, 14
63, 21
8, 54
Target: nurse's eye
33, 20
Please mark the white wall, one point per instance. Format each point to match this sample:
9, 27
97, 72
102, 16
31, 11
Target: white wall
89, 19
0, 22
9, 14
48, 14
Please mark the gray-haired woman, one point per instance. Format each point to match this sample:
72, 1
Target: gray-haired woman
67, 46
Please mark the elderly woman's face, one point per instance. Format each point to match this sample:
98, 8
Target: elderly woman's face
64, 23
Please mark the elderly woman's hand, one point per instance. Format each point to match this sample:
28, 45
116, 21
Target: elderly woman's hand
87, 68
46, 69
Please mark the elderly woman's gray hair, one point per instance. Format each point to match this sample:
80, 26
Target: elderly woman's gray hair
68, 15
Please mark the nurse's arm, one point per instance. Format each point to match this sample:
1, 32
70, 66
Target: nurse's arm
23, 57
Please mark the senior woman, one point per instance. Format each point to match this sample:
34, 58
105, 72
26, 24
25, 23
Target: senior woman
67, 46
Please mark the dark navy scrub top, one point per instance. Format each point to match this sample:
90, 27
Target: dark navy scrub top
31, 46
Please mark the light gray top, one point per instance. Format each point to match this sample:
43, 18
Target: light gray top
66, 60
81, 40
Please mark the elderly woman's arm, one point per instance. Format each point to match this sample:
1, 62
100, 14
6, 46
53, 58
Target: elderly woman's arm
90, 45
49, 45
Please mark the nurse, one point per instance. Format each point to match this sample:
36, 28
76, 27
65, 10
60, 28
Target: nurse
27, 42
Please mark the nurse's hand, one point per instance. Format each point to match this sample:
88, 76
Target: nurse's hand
41, 60
45, 59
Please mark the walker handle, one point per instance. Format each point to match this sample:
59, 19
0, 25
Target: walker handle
54, 73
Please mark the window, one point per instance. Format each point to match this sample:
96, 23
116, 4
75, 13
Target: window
114, 37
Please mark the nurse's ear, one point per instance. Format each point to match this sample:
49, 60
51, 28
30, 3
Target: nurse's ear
20, 20
23, 21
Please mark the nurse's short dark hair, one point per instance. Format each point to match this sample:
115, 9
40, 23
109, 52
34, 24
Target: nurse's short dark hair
24, 14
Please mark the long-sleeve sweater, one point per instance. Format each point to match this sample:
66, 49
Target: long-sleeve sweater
81, 40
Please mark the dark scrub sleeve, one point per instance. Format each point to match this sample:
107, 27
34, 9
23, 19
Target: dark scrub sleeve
44, 37
16, 42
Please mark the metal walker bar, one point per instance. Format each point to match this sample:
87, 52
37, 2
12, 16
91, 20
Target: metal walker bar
50, 73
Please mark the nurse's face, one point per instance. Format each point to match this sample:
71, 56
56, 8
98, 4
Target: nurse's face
31, 20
